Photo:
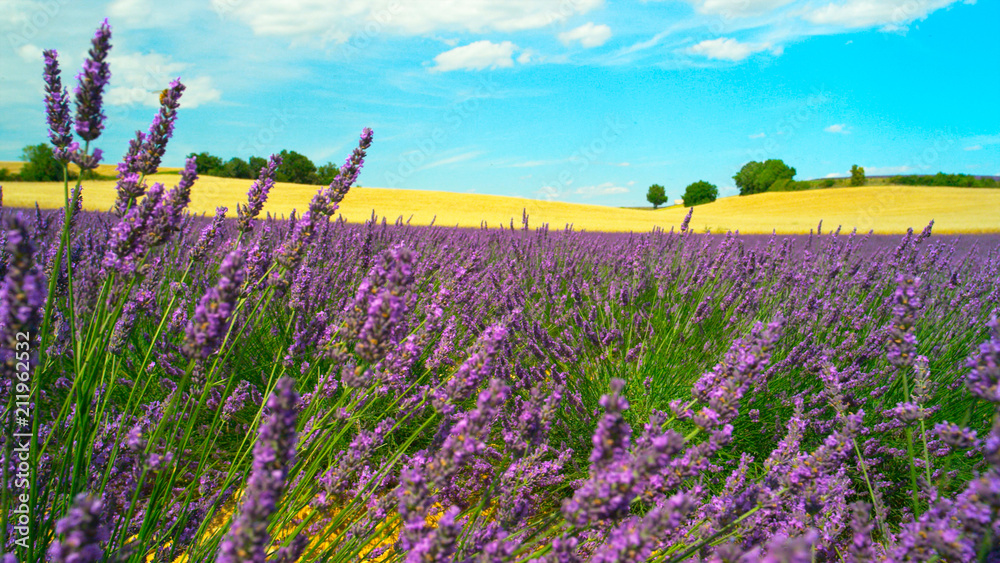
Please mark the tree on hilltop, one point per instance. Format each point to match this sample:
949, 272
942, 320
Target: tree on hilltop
756, 177
656, 195
857, 175
700, 192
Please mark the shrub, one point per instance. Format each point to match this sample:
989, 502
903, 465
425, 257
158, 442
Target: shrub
828, 183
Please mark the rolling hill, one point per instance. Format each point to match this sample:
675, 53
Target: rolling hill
885, 209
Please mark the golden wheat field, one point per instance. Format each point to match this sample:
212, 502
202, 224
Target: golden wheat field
884, 209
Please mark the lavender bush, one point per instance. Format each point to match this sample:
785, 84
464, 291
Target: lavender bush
255, 389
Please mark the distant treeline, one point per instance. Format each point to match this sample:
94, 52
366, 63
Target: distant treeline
942, 179
295, 167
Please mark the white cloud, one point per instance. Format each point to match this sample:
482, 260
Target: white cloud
338, 20
836, 175
840, 128
588, 34
728, 49
607, 188
476, 56
525, 57
974, 148
30, 53
131, 11
139, 79
737, 8
760, 135
890, 14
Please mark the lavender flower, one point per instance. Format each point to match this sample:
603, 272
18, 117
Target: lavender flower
161, 129
906, 299
273, 454
130, 186
92, 80
347, 176
257, 195
687, 220
82, 533
984, 378
130, 237
212, 317
57, 107
208, 234
22, 294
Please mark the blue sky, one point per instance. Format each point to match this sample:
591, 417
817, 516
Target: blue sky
574, 100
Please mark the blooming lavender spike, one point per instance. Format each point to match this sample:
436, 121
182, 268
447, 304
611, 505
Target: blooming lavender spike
687, 220
22, 294
207, 236
902, 341
337, 189
130, 186
211, 318
257, 195
57, 107
984, 379
161, 129
90, 91
82, 533
273, 454
129, 238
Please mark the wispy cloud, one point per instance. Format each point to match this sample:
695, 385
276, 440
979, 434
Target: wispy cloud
476, 56
588, 35
974, 148
839, 128
728, 49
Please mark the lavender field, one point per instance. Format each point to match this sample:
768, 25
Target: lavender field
242, 388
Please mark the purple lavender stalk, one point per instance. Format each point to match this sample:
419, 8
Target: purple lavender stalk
57, 107
22, 294
207, 236
92, 79
984, 379
161, 129
167, 215
129, 186
349, 171
902, 341
129, 238
257, 195
82, 533
211, 318
273, 453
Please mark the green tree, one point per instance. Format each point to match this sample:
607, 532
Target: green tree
296, 168
327, 173
857, 175
656, 195
208, 165
40, 165
746, 178
700, 192
756, 177
256, 163
237, 168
